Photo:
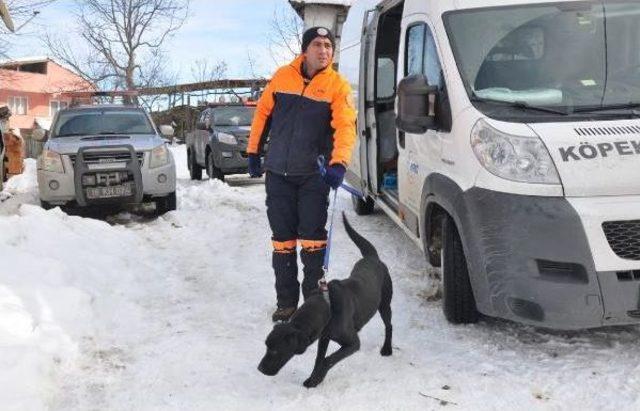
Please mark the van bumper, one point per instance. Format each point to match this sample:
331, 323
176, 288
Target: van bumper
531, 259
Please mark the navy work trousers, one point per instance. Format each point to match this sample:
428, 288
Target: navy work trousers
297, 211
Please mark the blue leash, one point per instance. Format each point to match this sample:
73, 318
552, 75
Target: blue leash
322, 283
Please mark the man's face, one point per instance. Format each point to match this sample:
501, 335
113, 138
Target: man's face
319, 53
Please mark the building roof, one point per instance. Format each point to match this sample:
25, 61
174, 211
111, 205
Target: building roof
24, 60
329, 2
58, 80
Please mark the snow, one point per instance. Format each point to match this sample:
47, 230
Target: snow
130, 312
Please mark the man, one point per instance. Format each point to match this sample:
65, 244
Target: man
307, 111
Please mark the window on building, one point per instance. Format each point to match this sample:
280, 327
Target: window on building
55, 106
18, 105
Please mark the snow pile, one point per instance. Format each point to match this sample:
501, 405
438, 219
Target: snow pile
171, 313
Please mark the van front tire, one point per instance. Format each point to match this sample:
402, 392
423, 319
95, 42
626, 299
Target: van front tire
458, 303
362, 207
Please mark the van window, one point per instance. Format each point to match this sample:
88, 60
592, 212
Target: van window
422, 55
415, 50
386, 78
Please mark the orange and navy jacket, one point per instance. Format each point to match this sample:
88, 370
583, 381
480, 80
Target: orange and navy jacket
304, 119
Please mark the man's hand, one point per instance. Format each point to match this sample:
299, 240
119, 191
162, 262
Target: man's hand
334, 175
255, 166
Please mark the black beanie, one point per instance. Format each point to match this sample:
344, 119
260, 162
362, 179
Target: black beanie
314, 32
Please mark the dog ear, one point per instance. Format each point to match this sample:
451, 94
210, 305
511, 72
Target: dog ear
301, 342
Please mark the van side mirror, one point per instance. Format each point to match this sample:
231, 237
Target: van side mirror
39, 134
416, 104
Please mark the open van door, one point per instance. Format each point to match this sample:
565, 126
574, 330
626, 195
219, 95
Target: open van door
366, 110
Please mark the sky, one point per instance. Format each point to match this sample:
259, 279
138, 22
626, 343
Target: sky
216, 30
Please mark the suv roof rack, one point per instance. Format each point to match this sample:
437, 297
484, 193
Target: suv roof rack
124, 97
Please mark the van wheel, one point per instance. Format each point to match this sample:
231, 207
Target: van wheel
166, 204
212, 170
195, 170
362, 207
458, 303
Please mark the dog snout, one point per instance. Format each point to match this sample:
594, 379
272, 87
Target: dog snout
263, 368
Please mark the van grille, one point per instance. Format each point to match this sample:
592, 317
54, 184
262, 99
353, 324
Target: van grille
106, 157
607, 131
633, 275
624, 238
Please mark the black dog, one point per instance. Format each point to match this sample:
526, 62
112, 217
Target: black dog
352, 304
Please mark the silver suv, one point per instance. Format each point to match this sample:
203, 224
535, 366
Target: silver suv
106, 154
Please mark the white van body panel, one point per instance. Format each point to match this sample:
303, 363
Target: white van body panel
593, 213
595, 158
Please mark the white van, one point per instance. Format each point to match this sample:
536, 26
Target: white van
504, 137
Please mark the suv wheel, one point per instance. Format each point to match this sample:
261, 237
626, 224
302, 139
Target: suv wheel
46, 205
166, 204
195, 170
212, 170
362, 207
458, 302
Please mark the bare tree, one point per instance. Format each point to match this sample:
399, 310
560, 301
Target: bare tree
285, 36
203, 70
123, 39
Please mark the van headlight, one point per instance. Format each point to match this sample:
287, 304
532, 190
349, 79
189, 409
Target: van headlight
227, 139
517, 158
50, 161
159, 157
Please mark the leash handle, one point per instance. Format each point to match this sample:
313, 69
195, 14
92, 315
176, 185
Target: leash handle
322, 168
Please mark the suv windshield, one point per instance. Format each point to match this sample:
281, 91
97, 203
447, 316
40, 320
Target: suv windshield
570, 56
95, 122
233, 116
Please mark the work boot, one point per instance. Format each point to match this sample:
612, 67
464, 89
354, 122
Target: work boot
282, 314
285, 267
313, 272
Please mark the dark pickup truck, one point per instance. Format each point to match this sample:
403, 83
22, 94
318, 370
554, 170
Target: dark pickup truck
219, 143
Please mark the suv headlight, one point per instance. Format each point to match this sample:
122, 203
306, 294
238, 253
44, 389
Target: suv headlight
51, 161
517, 158
227, 138
159, 157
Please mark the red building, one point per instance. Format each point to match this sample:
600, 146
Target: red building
33, 89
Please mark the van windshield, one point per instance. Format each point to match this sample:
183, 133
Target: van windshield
94, 122
572, 57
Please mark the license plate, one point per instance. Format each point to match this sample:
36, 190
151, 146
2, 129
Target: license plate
109, 192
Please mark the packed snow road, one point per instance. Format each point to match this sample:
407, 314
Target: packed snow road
135, 313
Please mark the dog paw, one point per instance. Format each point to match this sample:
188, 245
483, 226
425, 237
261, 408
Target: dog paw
385, 351
312, 382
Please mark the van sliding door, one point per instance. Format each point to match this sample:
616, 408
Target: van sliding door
366, 105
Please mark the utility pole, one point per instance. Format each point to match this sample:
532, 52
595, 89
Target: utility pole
329, 14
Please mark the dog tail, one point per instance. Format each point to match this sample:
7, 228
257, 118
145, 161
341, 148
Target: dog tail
366, 248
